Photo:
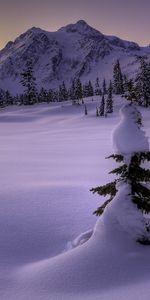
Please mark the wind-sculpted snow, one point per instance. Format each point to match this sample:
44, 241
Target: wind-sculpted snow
127, 137
48, 164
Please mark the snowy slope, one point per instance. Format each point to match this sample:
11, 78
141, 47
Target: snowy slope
50, 156
76, 50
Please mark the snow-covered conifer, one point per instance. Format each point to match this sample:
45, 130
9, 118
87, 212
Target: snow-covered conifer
104, 87
109, 102
102, 107
118, 79
85, 110
29, 83
63, 93
143, 83
78, 91
97, 88
97, 112
129, 201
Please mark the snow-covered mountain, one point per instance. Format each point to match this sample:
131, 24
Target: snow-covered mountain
76, 50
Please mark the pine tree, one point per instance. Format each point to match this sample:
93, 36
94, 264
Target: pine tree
72, 92
109, 102
85, 110
104, 87
125, 83
118, 79
143, 83
29, 83
63, 93
97, 112
8, 98
102, 107
78, 90
97, 91
43, 96
2, 98
131, 93
131, 183
90, 89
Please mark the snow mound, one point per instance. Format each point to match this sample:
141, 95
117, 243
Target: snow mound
128, 137
80, 240
124, 213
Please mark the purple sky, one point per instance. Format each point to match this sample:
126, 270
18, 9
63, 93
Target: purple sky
128, 19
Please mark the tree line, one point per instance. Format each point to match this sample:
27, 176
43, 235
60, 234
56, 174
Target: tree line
138, 89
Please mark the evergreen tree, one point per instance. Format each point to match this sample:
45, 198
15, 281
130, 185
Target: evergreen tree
29, 83
78, 90
43, 96
131, 183
118, 79
97, 91
17, 100
131, 93
85, 110
90, 89
143, 83
72, 95
52, 96
102, 107
109, 102
97, 112
2, 98
85, 90
8, 98
125, 83
63, 93
104, 87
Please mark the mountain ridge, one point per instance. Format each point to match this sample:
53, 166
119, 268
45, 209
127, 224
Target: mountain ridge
75, 50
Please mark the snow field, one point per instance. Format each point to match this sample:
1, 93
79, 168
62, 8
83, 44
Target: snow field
50, 156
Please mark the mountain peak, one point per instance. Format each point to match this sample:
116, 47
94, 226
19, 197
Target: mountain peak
82, 23
80, 27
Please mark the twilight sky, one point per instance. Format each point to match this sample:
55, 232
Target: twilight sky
128, 19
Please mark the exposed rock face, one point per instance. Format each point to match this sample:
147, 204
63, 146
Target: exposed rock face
76, 50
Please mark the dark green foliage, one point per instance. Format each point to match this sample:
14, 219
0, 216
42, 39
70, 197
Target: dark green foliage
97, 91
97, 112
104, 87
116, 157
133, 174
88, 90
102, 107
143, 241
72, 95
63, 93
99, 211
118, 79
6, 98
85, 110
131, 93
143, 83
109, 102
43, 96
78, 93
29, 83
107, 189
